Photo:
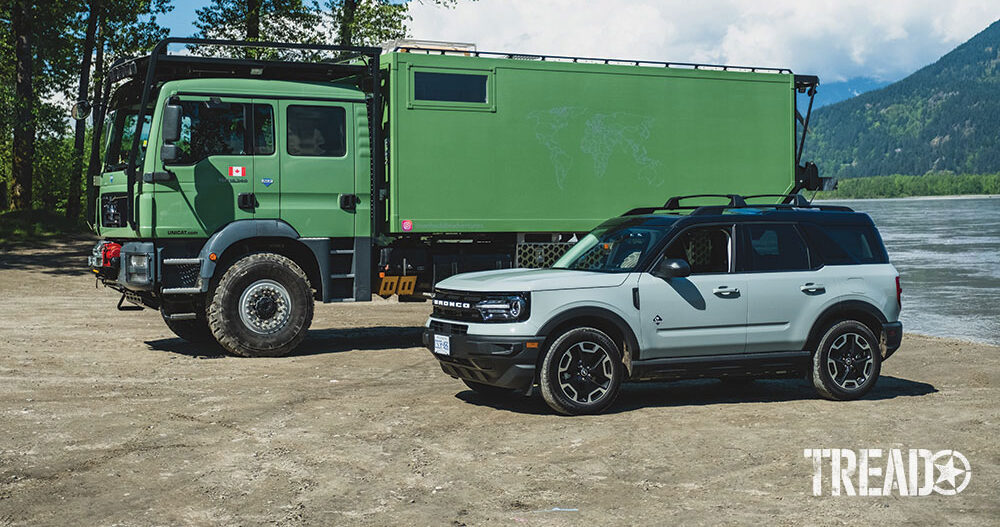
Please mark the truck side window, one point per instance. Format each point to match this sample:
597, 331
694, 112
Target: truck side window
263, 129
705, 249
451, 87
777, 248
317, 131
209, 129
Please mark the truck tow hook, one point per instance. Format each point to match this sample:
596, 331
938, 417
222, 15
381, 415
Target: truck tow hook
129, 307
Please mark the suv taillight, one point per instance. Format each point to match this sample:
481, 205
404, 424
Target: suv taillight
899, 293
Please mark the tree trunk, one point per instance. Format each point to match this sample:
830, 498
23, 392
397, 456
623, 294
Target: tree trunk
73, 201
94, 165
347, 22
253, 19
24, 118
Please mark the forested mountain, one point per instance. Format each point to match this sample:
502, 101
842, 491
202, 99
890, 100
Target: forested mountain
945, 116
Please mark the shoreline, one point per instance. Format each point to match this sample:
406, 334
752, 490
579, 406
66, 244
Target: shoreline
918, 198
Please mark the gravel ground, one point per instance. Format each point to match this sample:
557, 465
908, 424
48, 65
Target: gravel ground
107, 419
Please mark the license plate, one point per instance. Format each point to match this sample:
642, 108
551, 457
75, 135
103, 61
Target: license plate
442, 344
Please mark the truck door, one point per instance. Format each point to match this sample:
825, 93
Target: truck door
317, 167
702, 314
213, 179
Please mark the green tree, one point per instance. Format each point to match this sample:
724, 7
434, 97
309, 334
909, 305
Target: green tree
257, 20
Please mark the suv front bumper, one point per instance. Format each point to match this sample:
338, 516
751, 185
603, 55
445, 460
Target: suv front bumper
506, 362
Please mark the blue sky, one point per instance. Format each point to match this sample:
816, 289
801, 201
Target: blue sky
838, 40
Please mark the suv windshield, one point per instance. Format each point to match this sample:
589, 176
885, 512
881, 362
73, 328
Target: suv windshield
617, 246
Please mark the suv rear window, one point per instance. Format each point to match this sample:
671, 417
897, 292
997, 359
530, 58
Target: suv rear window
846, 244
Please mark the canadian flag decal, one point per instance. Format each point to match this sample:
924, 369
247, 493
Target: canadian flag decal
237, 172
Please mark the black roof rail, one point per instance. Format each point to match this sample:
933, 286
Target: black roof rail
594, 60
736, 201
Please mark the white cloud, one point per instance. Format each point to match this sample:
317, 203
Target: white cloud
884, 39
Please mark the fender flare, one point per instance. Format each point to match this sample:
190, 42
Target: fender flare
235, 232
845, 305
602, 313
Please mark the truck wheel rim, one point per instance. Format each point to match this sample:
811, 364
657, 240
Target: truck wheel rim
265, 307
850, 361
585, 372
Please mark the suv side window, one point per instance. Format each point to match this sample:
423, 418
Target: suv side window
776, 247
845, 244
706, 249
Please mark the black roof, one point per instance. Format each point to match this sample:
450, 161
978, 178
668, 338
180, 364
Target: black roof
794, 208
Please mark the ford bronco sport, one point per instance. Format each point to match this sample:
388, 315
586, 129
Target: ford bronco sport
732, 291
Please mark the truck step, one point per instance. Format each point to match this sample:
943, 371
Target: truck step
350, 275
181, 291
341, 251
181, 261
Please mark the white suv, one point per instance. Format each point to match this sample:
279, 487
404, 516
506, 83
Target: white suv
734, 292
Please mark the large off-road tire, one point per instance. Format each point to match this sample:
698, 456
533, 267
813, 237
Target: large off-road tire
847, 361
261, 307
195, 331
489, 391
581, 372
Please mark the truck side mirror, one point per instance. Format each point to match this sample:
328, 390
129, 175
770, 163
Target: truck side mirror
171, 123
80, 110
672, 268
169, 154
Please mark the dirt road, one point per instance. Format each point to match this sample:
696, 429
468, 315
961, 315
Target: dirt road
107, 419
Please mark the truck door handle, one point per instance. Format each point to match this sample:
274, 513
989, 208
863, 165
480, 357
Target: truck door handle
349, 202
246, 200
725, 291
811, 288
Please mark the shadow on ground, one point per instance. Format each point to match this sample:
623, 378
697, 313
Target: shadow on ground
67, 256
317, 342
705, 392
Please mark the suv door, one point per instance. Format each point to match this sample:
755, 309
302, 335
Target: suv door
785, 293
213, 179
702, 314
317, 167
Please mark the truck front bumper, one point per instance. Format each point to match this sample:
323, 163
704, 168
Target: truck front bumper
893, 332
506, 362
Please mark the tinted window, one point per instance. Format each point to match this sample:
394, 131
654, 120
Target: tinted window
317, 131
263, 129
613, 247
846, 244
776, 248
454, 87
705, 249
209, 129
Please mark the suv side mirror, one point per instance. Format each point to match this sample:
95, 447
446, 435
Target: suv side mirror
672, 268
171, 123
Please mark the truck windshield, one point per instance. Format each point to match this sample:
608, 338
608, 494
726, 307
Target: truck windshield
122, 132
617, 246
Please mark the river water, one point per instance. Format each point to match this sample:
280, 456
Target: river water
947, 251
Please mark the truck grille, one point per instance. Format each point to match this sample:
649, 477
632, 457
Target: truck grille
534, 255
457, 305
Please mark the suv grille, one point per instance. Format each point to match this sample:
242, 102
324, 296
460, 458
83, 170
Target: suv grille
449, 329
457, 305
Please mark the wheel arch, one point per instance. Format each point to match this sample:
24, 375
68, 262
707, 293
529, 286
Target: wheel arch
603, 319
858, 310
243, 237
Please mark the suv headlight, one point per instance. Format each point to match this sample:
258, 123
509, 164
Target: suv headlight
512, 307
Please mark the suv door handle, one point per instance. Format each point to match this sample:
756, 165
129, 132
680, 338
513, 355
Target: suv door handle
813, 288
725, 291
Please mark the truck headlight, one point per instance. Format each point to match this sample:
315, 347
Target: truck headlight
504, 308
137, 268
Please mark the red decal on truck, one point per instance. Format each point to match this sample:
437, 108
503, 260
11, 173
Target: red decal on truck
407, 225
237, 171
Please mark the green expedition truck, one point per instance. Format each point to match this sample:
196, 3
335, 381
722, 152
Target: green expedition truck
235, 192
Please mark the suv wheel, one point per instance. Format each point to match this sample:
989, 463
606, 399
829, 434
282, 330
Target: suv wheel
261, 307
847, 362
581, 372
